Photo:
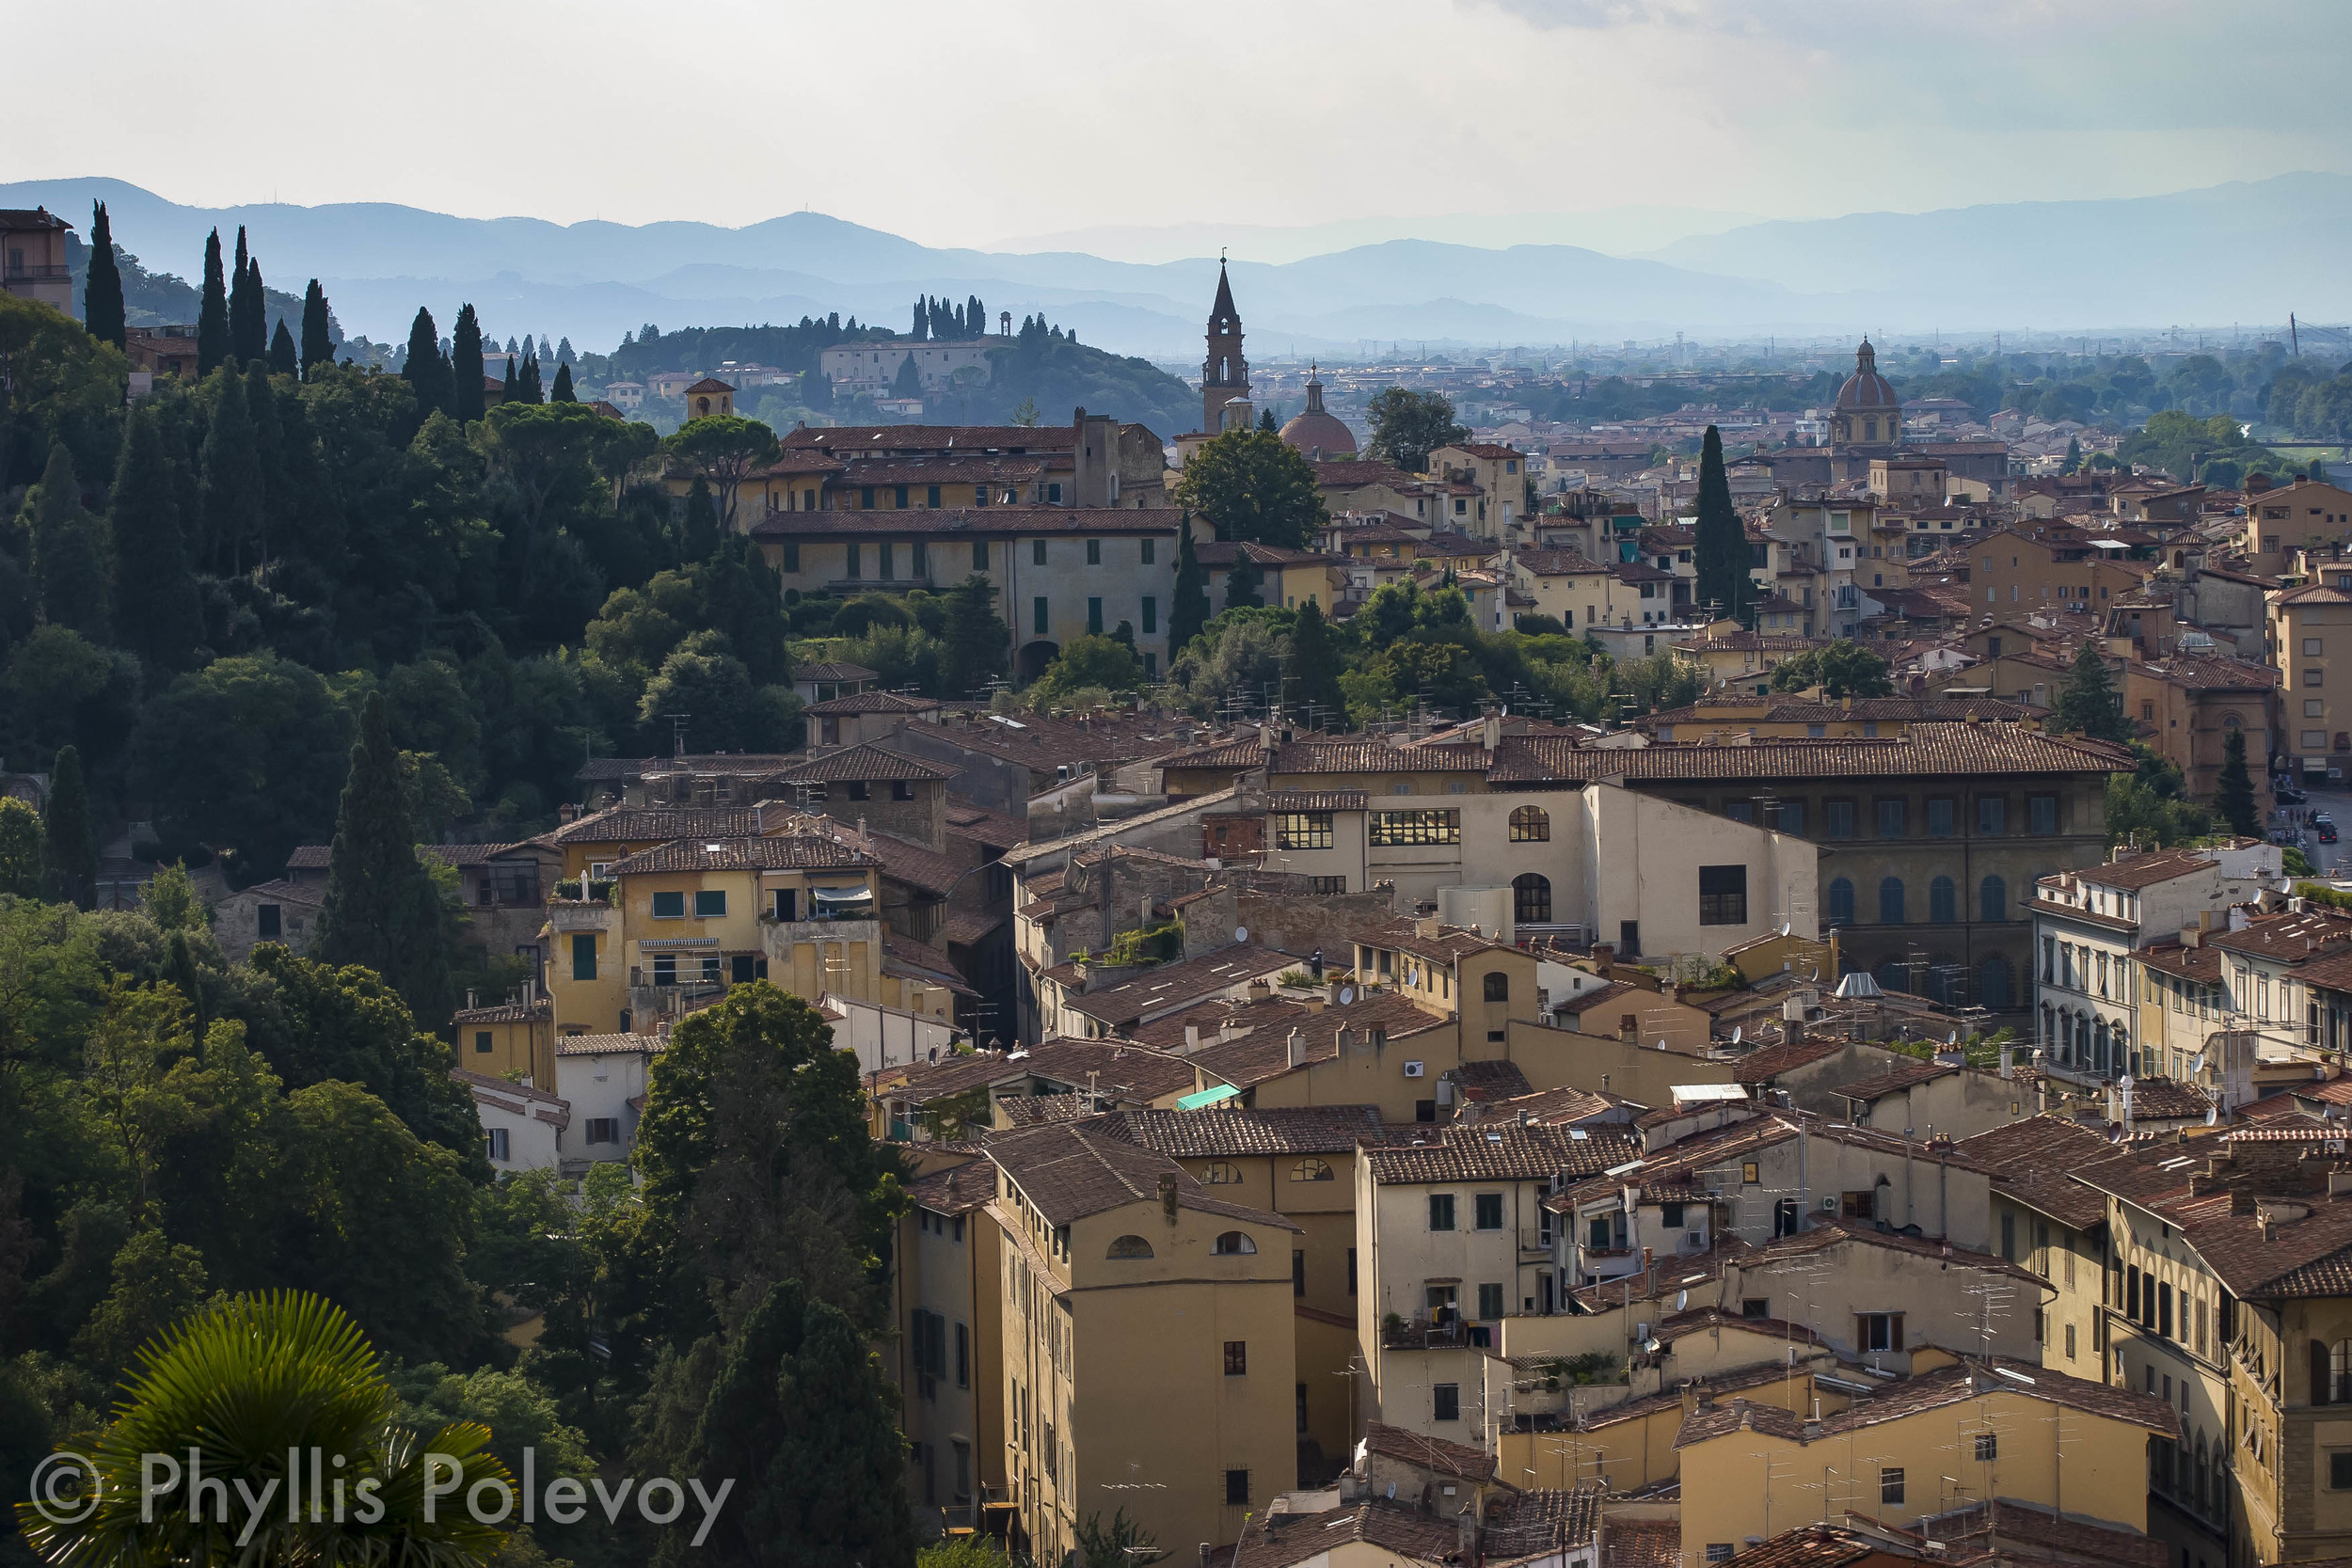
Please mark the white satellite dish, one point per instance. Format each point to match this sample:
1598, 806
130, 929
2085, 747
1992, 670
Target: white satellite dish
1735, 1034
1954, 1038
1682, 1299
1347, 994
1241, 933
2212, 1114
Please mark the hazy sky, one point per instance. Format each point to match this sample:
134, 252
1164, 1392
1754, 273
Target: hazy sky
959, 124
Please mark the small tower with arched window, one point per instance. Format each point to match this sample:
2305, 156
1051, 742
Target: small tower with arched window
1224, 374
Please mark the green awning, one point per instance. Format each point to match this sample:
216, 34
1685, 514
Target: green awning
1207, 1097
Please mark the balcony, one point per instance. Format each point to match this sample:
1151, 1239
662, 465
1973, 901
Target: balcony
1446, 1331
568, 915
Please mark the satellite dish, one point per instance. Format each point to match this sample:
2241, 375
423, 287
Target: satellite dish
1954, 1038
1241, 933
1682, 1299
2212, 1114
1735, 1034
1347, 994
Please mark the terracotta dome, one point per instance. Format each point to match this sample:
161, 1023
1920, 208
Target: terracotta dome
1866, 390
1316, 432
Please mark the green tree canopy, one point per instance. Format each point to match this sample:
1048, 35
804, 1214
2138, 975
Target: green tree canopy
246, 756
426, 369
382, 908
1408, 426
1243, 583
2234, 791
1721, 549
213, 346
69, 834
1189, 607
467, 401
318, 343
973, 637
2087, 701
1844, 669
74, 557
1310, 671
1252, 485
724, 450
101, 293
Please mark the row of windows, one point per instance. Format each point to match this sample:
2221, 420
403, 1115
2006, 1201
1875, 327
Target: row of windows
885, 557
1943, 901
1485, 1210
1311, 829
1041, 619
1891, 816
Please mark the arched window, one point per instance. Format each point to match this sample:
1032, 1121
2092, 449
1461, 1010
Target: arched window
1531, 825
1841, 902
1943, 901
1531, 898
1498, 986
1993, 982
1312, 1170
1219, 1174
1128, 1246
1234, 1244
1891, 901
1992, 899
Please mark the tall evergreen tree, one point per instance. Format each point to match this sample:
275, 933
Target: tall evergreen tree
699, 536
155, 595
69, 838
2234, 791
514, 389
563, 390
318, 343
426, 369
974, 636
2086, 699
1310, 671
102, 294
73, 563
1189, 607
212, 312
921, 326
465, 369
269, 459
382, 909
564, 355
1720, 551
248, 309
284, 358
234, 488
1245, 583
529, 390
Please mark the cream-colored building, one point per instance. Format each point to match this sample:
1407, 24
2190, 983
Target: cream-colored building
2310, 637
1451, 1237
1149, 1342
948, 1270
2052, 1226
873, 367
33, 260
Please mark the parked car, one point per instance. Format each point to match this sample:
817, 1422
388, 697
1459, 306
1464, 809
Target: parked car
2327, 833
2287, 794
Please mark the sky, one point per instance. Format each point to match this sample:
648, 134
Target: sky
956, 124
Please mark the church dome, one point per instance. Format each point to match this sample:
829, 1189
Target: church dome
1315, 432
1866, 390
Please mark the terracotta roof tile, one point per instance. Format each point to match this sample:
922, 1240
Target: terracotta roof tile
864, 763
1500, 1152
1433, 1454
781, 852
1072, 1170
1219, 1133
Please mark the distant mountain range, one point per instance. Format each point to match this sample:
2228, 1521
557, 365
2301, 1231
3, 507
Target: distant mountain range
2241, 252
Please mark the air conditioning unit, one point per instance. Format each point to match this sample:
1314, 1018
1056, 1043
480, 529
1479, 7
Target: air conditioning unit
1828, 1205
1412, 1069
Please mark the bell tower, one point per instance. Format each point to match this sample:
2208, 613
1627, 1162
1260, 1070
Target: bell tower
1225, 374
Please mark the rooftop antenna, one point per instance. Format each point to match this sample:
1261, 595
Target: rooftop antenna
677, 733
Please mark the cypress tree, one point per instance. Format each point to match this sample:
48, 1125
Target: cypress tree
700, 532
212, 312
155, 595
284, 359
426, 369
1310, 671
2085, 701
513, 387
974, 636
269, 456
466, 401
249, 311
235, 491
72, 566
318, 346
102, 294
530, 389
1720, 551
922, 319
1266, 421
70, 842
563, 352
1188, 607
1243, 584
562, 392
2234, 791
382, 909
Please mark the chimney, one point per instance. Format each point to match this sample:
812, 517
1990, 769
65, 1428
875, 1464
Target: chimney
1342, 1039
566, 812
1331, 992
2008, 1061
1168, 1195
1192, 1038
1299, 1047
1260, 992
1649, 1269
1265, 737
1604, 954
1490, 732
